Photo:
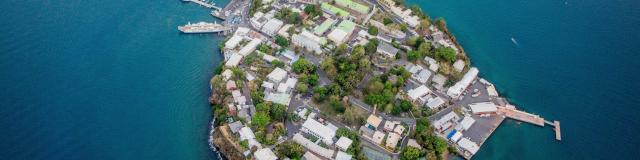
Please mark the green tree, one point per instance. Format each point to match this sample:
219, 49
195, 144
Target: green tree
413, 56
302, 88
261, 119
278, 112
341, 49
446, 53
410, 153
320, 93
371, 46
373, 30
277, 63
263, 107
387, 21
290, 149
281, 41
303, 66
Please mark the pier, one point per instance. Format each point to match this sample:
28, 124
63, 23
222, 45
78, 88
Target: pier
511, 112
223, 13
204, 4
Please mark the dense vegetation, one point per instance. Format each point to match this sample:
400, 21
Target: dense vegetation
381, 91
355, 149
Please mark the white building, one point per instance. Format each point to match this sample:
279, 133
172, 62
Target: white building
422, 76
316, 128
258, 20
456, 90
279, 98
344, 143
458, 65
233, 42
392, 140
313, 147
308, 41
264, 154
284, 31
272, 26
483, 108
250, 47
412, 68
399, 129
343, 156
378, 137
466, 122
438, 81
234, 60
416, 93
433, 64
387, 50
277, 75
445, 122
340, 34
456, 137
468, 145
434, 103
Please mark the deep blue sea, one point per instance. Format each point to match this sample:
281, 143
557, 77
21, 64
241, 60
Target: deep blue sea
576, 61
104, 79
115, 79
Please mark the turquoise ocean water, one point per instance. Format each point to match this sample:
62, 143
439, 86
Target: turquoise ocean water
115, 79
104, 80
573, 61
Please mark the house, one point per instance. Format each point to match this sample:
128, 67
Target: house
269, 58
458, 65
456, 90
277, 75
399, 129
344, 143
313, 147
284, 31
392, 140
231, 109
373, 122
231, 85
264, 154
290, 55
235, 126
389, 125
233, 42
434, 103
319, 130
483, 108
310, 156
445, 122
433, 64
340, 34
291, 83
378, 137
468, 145
412, 68
422, 76
226, 75
343, 156
308, 41
466, 123
234, 60
320, 29
416, 93
438, 81
387, 50
258, 20
267, 85
250, 47
367, 132
279, 98
247, 134
272, 26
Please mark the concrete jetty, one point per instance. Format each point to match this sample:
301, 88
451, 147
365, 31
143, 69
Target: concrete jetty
203, 3
511, 112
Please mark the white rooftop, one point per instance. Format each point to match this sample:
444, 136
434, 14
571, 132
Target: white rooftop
234, 60
343, 156
319, 129
483, 107
392, 140
467, 122
415, 93
461, 85
265, 154
458, 65
277, 74
468, 145
344, 143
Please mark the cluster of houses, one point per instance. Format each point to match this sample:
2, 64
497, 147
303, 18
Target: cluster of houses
406, 14
388, 134
325, 135
421, 94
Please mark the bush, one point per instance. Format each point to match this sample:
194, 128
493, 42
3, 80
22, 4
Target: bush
373, 30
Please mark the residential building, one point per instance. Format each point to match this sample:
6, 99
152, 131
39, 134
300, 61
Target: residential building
233, 42
344, 143
340, 34
319, 130
373, 122
458, 65
284, 31
313, 147
310, 156
422, 76
277, 75
343, 156
445, 122
250, 47
234, 60
392, 140
235, 127
399, 129
456, 90
434, 103
433, 64
468, 145
308, 41
416, 93
272, 26
387, 50
279, 98
378, 137
264, 154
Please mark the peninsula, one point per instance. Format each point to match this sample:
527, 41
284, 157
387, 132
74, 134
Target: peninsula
347, 79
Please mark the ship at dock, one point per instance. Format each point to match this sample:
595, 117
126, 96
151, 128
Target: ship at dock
203, 27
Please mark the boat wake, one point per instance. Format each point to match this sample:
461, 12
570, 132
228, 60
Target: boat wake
513, 40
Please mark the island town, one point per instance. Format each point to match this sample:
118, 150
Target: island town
346, 79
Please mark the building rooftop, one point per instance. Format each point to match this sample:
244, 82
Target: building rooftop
374, 121
277, 74
387, 49
265, 154
320, 29
353, 5
483, 107
418, 92
319, 129
344, 143
392, 140
334, 10
377, 137
468, 145
343, 156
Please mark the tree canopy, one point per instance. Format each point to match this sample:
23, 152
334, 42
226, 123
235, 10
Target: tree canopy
303, 66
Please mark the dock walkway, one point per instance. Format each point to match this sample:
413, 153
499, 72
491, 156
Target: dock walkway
513, 113
203, 3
